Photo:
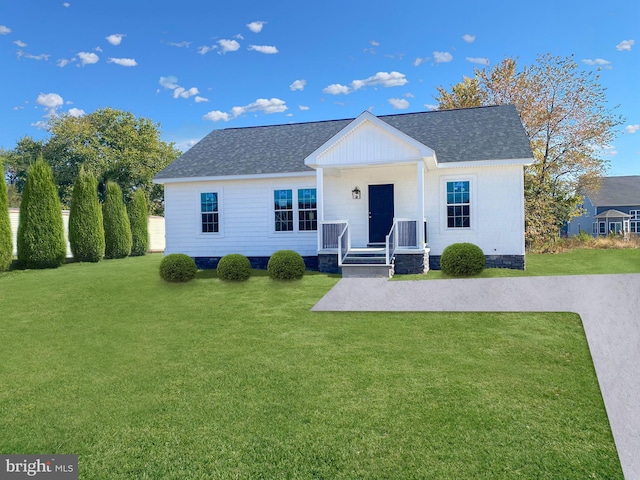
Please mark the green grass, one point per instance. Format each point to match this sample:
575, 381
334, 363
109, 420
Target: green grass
580, 261
144, 379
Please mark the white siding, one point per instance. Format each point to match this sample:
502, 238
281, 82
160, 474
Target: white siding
246, 219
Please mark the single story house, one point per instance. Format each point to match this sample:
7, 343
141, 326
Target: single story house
392, 191
614, 207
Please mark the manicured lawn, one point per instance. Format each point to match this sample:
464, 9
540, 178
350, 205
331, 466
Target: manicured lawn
581, 261
144, 379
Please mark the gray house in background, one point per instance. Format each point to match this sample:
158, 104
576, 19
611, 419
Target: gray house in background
613, 208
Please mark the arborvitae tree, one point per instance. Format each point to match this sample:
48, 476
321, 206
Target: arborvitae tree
86, 231
117, 231
6, 241
41, 242
138, 218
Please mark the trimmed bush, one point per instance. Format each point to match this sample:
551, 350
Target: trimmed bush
6, 241
139, 221
86, 231
117, 231
41, 242
178, 267
234, 267
462, 260
286, 265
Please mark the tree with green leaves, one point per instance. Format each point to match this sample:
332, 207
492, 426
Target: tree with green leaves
6, 240
139, 220
117, 231
86, 230
565, 114
41, 242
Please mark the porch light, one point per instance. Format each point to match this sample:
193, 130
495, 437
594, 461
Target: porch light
355, 193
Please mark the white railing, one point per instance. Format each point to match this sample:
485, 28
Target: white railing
391, 243
344, 241
329, 233
404, 233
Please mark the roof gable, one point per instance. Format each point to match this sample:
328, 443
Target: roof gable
617, 192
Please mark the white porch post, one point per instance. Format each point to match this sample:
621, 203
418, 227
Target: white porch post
420, 200
320, 202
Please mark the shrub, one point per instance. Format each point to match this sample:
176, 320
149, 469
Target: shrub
286, 265
138, 219
178, 267
117, 231
86, 231
41, 242
462, 260
6, 241
234, 267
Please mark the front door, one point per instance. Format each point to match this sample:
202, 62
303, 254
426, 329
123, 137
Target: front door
380, 212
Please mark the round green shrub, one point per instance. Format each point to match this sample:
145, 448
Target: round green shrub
462, 260
234, 267
286, 265
178, 267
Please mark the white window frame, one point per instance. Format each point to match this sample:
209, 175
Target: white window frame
473, 202
295, 209
219, 193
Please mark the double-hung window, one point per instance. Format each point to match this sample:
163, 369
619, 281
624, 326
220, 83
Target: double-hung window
307, 209
286, 209
283, 210
458, 204
209, 212
634, 221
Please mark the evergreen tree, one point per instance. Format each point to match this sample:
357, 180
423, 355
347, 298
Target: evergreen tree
138, 219
41, 242
6, 241
86, 231
117, 231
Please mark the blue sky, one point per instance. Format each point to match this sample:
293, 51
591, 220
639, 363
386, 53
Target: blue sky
194, 65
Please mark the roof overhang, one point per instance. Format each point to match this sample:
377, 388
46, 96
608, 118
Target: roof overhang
222, 178
612, 214
487, 163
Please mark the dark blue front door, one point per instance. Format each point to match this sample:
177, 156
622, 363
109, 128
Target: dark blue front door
380, 212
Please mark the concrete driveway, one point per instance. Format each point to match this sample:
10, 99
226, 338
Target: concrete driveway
609, 306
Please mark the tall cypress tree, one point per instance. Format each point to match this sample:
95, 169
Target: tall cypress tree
117, 231
6, 241
86, 231
138, 218
41, 242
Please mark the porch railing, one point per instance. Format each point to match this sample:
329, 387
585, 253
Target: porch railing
344, 241
329, 233
391, 243
403, 234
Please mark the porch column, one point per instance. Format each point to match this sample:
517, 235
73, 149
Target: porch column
420, 200
320, 202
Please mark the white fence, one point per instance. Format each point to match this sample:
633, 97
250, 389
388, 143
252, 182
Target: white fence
156, 231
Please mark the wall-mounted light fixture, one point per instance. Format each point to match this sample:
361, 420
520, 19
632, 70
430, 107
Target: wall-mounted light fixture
355, 193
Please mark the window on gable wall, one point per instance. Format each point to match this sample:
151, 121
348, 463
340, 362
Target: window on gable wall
458, 204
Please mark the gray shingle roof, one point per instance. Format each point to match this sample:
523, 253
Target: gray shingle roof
617, 192
471, 134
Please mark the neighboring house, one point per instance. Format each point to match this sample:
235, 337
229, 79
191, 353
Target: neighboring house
389, 189
614, 207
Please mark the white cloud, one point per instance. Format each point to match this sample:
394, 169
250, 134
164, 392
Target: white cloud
20, 43
204, 49
478, 60
66, 4
97, 49
399, 103
115, 39
51, 102
431, 106
408, 95
217, 115
42, 56
625, 45
123, 62
255, 27
303, 107
40, 125
169, 82
63, 62
469, 38
200, 99
298, 85
386, 79
599, 62
336, 89
181, 92
4, 30
609, 150
180, 44
374, 43
442, 57
87, 58
419, 61
632, 128
228, 46
76, 112
268, 49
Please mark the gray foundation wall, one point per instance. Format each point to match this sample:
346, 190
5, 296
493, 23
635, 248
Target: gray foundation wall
515, 262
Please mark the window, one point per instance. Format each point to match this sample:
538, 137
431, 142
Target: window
634, 221
458, 205
603, 228
209, 212
283, 209
307, 209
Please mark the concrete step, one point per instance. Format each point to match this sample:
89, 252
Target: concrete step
365, 259
367, 271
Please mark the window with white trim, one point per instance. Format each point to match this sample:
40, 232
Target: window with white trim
634, 221
283, 210
286, 208
458, 204
307, 209
209, 211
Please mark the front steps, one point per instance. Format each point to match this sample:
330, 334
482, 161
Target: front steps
366, 263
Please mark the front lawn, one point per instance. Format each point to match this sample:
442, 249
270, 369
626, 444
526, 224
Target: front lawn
144, 379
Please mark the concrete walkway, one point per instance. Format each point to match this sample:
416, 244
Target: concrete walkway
609, 306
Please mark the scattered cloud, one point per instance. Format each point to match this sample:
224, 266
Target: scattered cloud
20, 43
228, 46
180, 44
336, 89
609, 150
442, 57
632, 128
63, 62
123, 62
599, 62
184, 145
374, 43
430, 106
171, 83
40, 125
216, 116
478, 60
399, 103
419, 61
200, 99
87, 58
298, 85
469, 38
4, 30
51, 103
204, 49
303, 108
409, 95
256, 27
181, 92
97, 49
385, 79
625, 45
66, 4
268, 49
263, 105
42, 56
115, 39
76, 112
